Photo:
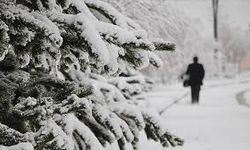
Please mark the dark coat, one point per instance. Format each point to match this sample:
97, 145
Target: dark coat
196, 74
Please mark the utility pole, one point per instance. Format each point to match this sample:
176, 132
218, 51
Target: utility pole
215, 26
215, 14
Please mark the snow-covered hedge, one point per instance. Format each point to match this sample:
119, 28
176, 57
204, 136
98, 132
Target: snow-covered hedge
68, 76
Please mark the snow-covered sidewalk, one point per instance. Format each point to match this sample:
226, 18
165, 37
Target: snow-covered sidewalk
219, 122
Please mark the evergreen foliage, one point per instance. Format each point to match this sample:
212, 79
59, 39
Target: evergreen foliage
68, 76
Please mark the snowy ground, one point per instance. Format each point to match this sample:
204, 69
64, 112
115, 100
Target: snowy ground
220, 122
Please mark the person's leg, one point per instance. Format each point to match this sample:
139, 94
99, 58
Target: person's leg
192, 94
198, 93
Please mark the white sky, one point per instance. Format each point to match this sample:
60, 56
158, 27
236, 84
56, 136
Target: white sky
236, 11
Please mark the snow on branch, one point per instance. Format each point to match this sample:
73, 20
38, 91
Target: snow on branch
155, 60
9, 136
162, 45
131, 86
20, 146
122, 37
115, 16
33, 20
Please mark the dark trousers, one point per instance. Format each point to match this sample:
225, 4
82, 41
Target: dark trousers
195, 93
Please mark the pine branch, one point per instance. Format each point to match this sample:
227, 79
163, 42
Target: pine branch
161, 45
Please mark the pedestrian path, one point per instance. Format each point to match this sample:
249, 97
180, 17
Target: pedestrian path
219, 122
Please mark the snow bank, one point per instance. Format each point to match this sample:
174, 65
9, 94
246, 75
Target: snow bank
247, 97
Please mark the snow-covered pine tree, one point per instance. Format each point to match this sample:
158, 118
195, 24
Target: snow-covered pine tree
68, 76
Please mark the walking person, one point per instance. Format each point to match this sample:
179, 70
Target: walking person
196, 73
